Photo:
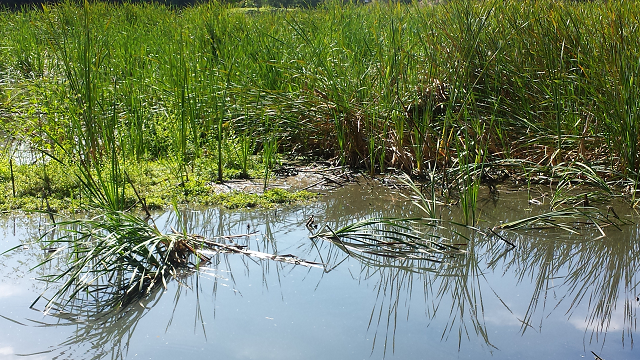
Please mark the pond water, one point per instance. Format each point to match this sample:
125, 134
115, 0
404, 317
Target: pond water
553, 296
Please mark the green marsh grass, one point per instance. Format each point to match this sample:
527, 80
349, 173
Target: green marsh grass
381, 86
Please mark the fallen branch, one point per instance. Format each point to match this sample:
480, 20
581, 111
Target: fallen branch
242, 249
215, 247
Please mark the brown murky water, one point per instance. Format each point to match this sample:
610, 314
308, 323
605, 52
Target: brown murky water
554, 296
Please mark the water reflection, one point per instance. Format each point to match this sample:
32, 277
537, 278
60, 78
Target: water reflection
600, 273
571, 277
590, 285
454, 292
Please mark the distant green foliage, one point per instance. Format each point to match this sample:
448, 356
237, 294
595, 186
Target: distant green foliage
18, 4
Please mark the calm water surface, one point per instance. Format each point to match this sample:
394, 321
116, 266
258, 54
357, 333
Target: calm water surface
552, 297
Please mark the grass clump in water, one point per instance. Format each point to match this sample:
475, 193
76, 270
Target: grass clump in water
113, 259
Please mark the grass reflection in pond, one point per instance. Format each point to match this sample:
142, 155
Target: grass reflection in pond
552, 280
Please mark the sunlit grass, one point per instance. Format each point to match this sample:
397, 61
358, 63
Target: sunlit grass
55, 187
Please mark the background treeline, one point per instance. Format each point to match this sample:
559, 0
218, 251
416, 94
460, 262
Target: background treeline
17, 4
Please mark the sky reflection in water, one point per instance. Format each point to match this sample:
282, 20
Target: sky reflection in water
554, 296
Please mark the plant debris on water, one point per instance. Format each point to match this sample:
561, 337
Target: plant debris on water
397, 238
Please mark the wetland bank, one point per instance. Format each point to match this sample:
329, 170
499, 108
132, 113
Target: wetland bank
112, 112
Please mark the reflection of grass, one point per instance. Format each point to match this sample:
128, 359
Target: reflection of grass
569, 219
402, 254
405, 252
599, 273
100, 334
116, 257
567, 275
570, 271
452, 290
113, 259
